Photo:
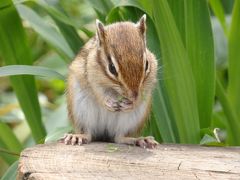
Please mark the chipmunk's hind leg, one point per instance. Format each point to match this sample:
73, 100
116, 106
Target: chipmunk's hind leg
75, 139
143, 142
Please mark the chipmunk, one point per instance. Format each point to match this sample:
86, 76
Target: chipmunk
110, 86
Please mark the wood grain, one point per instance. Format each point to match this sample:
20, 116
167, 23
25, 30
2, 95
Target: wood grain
114, 161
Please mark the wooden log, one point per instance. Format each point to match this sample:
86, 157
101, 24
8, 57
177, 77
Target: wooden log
114, 161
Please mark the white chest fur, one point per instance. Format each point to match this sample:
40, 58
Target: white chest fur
97, 120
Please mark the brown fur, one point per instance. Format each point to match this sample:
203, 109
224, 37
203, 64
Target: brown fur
126, 43
100, 62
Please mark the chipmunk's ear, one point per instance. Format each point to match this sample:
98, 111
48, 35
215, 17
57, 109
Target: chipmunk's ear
100, 32
141, 24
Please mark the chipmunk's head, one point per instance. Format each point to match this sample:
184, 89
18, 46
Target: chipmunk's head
124, 59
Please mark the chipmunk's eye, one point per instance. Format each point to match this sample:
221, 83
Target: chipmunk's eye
146, 66
112, 68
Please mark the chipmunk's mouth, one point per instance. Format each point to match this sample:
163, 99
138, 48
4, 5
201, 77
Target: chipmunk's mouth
118, 103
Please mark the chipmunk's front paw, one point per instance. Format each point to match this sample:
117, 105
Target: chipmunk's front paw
75, 139
146, 142
118, 104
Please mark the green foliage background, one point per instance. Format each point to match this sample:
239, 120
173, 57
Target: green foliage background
197, 44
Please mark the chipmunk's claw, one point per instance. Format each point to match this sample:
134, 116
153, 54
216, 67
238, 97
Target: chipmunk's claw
74, 139
122, 104
146, 142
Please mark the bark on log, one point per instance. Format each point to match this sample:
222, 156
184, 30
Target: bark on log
114, 161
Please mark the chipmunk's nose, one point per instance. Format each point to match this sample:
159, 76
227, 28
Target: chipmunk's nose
133, 95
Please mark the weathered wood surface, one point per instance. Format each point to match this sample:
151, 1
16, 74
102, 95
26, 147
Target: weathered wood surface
106, 161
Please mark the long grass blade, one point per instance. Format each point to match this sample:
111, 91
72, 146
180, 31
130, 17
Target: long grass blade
177, 8
200, 50
218, 10
233, 125
180, 88
11, 173
6, 155
234, 58
101, 8
234, 64
14, 50
9, 138
193, 22
50, 34
13, 70
64, 23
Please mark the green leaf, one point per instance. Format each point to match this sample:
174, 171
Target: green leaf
5, 4
88, 33
199, 46
218, 10
208, 131
228, 5
47, 32
143, 5
178, 11
234, 60
14, 50
195, 30
231, 102
233, 125
207, 139
180, 87
163, 117
9, 138
29, 70
11, 173
220, 45
6, 154
64, 23
210, 141
151, 128
55, 11
219, 120
102, 7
